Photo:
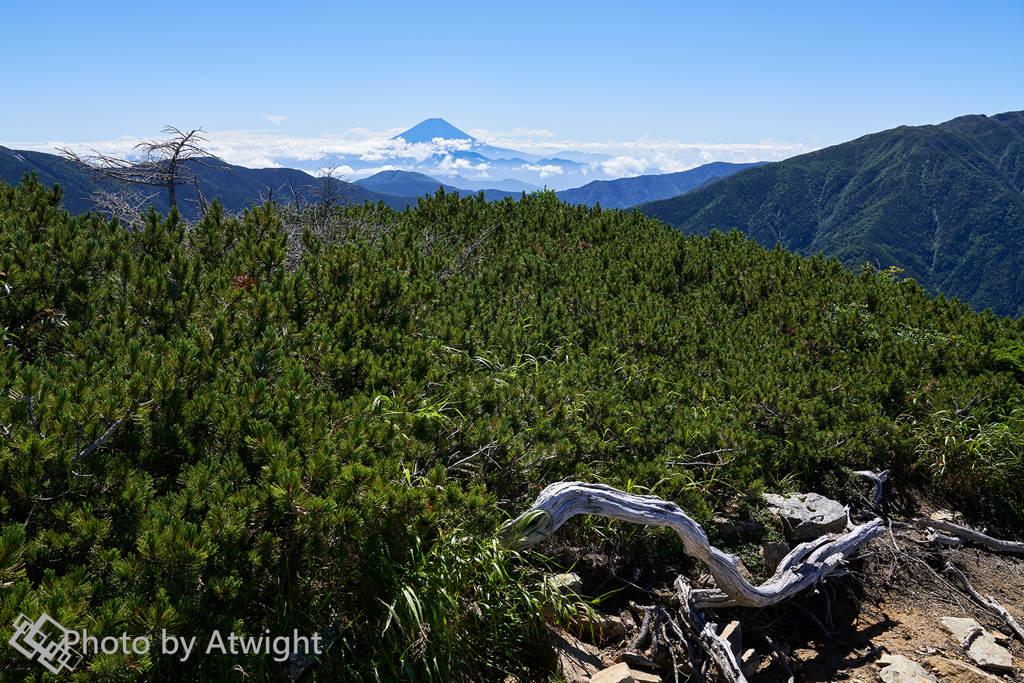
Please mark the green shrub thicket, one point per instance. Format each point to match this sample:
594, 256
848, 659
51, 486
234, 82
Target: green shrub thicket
244, 427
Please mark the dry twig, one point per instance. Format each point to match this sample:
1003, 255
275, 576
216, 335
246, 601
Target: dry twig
971, 535
987, 601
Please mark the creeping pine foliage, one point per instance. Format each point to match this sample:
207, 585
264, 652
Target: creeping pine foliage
247, 425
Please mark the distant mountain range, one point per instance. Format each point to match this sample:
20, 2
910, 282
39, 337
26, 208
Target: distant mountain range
626, 192
943, 202
611, 194
238, 187
411, 185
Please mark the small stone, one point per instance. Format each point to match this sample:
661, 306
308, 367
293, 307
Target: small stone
644, 677
981, 645
733, 632
616, 674
744, 572
772, 554
566, 583
899, 669
946, 516
602, 629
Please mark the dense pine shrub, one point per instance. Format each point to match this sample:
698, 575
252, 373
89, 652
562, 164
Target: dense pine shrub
248, 426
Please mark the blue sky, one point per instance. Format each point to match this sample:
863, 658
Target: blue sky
797, 75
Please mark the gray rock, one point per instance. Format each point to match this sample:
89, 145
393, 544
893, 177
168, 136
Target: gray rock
808, 515
947, 516
622, 673
614, 674
727, 526
772, 553
981, 645
602, 630
952, 671
644, 677
899, 669
566, 583
575, 660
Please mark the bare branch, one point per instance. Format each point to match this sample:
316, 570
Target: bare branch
971, 535
163, 163
124, 206
990, 604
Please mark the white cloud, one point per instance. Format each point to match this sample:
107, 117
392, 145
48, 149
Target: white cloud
535, 132
624, 167
343, 171
505, 139
367, 172
274, 118
450, 166
666, 163
545, 171
366, 134
271, 149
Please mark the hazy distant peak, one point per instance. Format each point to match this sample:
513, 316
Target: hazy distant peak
426, 131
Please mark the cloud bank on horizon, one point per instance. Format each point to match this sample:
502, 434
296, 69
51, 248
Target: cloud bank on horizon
540, 158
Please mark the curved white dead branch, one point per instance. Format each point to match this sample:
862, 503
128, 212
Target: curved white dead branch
805, 565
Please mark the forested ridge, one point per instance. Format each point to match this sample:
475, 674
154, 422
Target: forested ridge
247, 425
943, 202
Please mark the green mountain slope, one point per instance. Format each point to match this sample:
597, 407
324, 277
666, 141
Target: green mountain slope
626, 192
410, 184
248, 428
945, 203
51, 170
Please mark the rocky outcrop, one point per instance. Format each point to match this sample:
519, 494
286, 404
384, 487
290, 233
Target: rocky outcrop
808, 515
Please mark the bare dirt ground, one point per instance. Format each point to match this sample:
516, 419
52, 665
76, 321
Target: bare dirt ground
891, 603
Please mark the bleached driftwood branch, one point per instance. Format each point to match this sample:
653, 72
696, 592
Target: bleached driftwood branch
971, 535
804, 566
715, 645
